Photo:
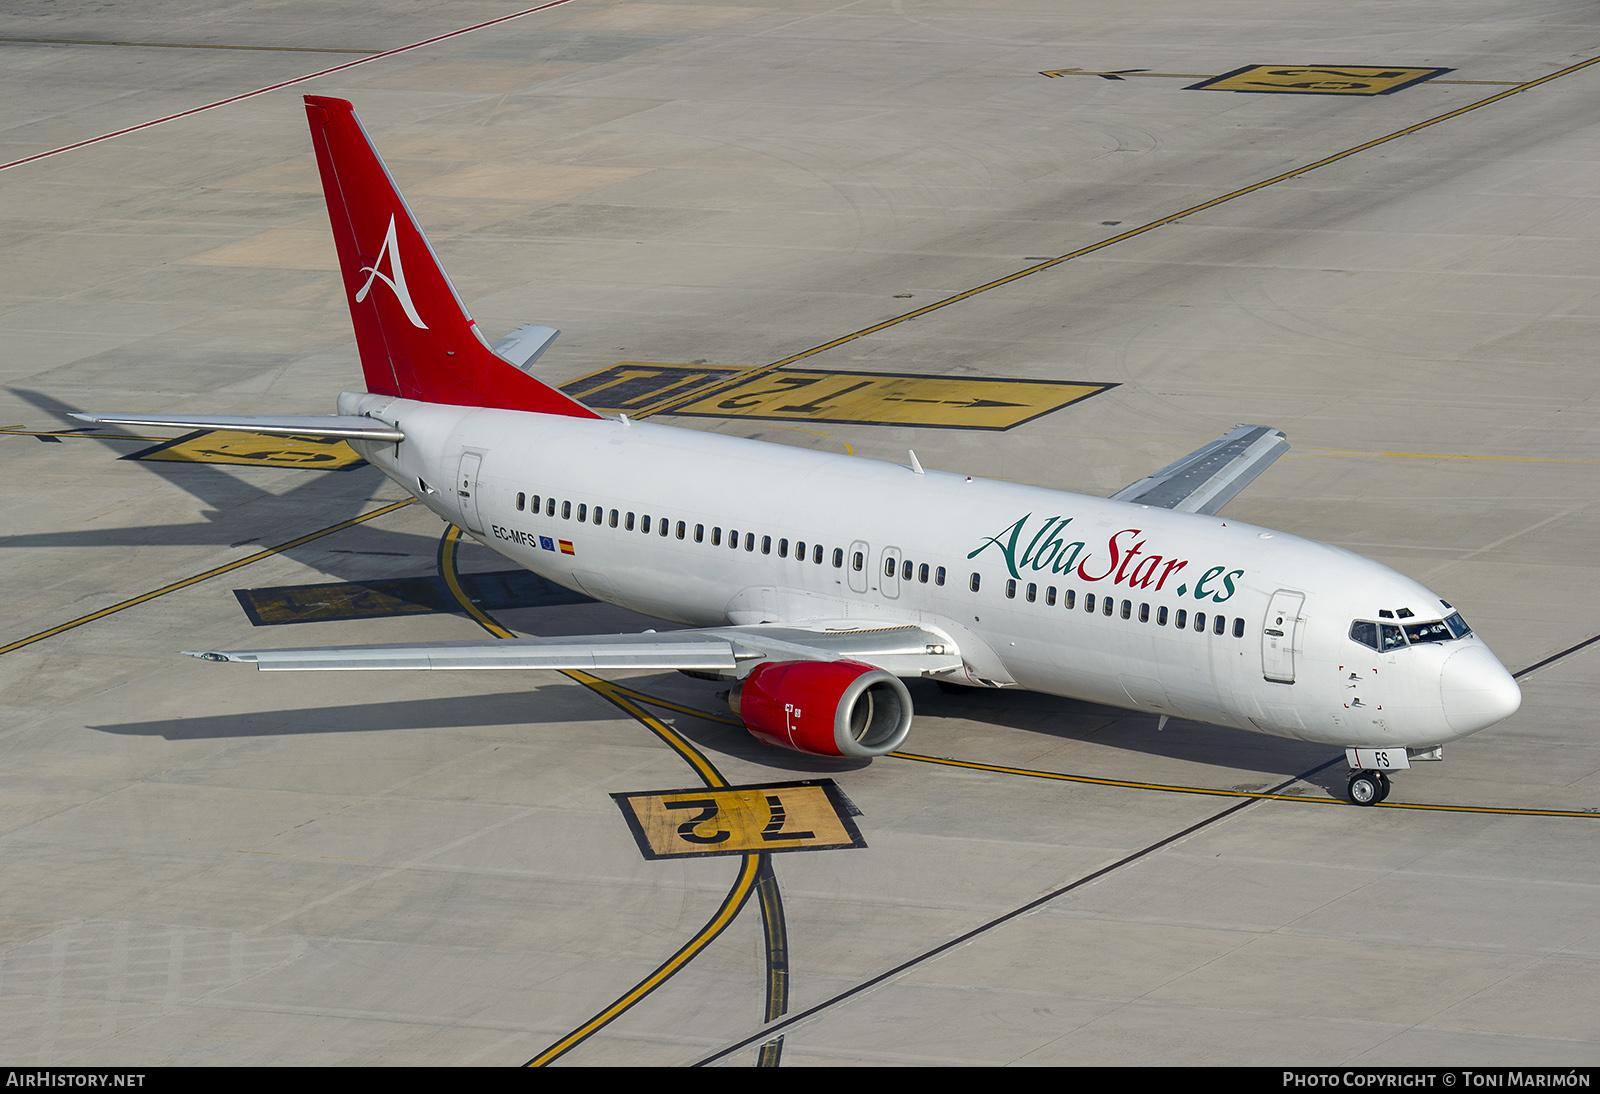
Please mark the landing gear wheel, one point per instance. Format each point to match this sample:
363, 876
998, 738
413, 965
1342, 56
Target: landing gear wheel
1367, 787
1383, 785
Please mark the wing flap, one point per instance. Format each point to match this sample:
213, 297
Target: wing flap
611, 651
1209, 477
343, 426
901, 650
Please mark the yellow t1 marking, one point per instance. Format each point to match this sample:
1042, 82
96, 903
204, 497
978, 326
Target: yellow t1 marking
1319, 79
809, 395
224, 446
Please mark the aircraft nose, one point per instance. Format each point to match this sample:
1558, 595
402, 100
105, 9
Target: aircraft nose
1477, 690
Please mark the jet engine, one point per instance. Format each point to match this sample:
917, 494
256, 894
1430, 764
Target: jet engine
826, 708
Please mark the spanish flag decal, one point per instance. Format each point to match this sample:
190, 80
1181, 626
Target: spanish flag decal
566, 547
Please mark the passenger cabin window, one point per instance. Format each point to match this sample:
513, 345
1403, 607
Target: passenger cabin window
1050, 597
816, 554
858, 562
838, 558
613, 518
1219, 625
599, 515
522, 500
973, 582
1200, 622
1161, 616
682, 529
716, 537
666, 527
1088, 603
627, 524
1181, 619
1127, 609
699, 533
1107, 606
766, 545
905, 571
783, 548
566, 510
938, 576
1011, 588
1144, 613
644, 524
550, 508
583, 513
533, 506
888, 567
1238, 628
1069, 598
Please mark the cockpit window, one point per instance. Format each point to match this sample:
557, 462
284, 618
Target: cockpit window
1417, 633
1365, 633
1384, 637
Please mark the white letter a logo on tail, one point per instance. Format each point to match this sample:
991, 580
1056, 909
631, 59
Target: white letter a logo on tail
397, 283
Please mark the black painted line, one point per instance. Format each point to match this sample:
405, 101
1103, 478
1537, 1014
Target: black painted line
775, 930
1518, 675
866, 985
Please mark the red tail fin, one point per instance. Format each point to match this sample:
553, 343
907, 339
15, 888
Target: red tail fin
415, 336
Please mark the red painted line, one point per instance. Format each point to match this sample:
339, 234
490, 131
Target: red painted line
285, 83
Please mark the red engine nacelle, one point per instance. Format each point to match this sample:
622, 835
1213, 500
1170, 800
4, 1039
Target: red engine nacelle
826, 708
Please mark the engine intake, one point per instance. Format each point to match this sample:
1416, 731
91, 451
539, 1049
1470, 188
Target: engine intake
825, 708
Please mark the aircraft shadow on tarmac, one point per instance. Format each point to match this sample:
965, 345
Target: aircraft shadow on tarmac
1007, 711
236, 511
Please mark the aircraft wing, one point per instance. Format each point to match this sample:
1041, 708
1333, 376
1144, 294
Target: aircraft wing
346, 426
1208, 478
901, 650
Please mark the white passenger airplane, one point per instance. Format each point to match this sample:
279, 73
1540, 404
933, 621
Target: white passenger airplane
817, 582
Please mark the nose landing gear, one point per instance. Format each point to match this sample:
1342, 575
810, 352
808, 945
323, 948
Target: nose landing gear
1368, 787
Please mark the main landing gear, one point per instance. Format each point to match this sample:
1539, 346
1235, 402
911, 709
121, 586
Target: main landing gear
1368, 787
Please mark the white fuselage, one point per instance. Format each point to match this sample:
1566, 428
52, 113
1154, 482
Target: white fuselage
1041, 558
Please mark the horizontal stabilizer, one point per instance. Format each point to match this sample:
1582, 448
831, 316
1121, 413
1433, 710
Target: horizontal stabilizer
901, 650
345, 426
523, 346
1208, 478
